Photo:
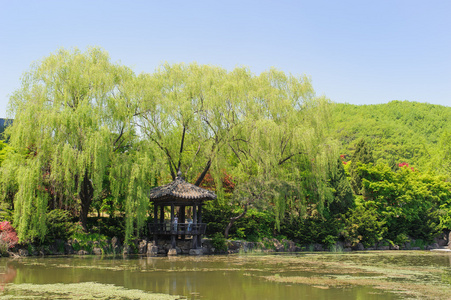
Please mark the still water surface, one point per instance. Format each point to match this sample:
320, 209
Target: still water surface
374, 275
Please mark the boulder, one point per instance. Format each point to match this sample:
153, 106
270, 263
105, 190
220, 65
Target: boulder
394, 247
127, 250
68, 249
82, 252
97, 251
290, 246
358, 247
196, 252
23, 252
318, 247
433, 246
152, 250
115, 245
142, 247
383, 247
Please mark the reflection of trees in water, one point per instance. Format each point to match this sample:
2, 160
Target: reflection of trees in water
7, 275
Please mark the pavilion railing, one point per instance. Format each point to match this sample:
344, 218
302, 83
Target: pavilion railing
179, 228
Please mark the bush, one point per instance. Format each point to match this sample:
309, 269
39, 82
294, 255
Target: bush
219, 242
217, 217
311, 230
8, 237
86, 241
109, 226
59, 225
363, 225
254, 226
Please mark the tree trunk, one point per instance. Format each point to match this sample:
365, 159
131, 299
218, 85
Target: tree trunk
232, 220
86, 194
204, 172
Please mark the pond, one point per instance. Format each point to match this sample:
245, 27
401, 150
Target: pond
364, 275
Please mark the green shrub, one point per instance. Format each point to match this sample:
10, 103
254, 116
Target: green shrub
219, 242
108, 226
311, 230
86, 241
330, 240
364, 226
59, 225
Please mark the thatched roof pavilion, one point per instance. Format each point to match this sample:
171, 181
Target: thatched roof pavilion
178, 195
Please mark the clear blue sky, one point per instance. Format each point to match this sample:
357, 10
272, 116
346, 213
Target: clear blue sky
359, 52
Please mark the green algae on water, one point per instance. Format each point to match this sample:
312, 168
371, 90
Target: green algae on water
84, 290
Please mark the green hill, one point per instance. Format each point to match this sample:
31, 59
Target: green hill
399, 131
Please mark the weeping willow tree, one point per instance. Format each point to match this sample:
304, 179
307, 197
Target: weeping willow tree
268, 128
192, 113
285, 149
72, 126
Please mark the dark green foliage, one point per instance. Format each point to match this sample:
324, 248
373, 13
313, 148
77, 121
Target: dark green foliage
407, 201
219, 242
110, 227
363, 225
343, 198
309, 230
254, 227
216, 216
87, 241
60, 225
362, 155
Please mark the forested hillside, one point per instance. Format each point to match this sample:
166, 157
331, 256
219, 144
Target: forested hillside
399, 131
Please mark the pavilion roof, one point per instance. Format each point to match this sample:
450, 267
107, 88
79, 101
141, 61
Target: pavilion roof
179, 189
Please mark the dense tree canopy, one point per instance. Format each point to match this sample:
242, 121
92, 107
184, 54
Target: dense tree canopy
205, 119
89, 133
87, 129
72, 123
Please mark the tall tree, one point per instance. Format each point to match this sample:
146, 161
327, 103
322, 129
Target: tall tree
205, 119
343, 198
192, 113
72, 118
363, 154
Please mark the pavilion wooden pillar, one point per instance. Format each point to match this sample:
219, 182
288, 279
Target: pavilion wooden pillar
155, 221
199, 216
195, 225
173, 235
182, 219
161, 214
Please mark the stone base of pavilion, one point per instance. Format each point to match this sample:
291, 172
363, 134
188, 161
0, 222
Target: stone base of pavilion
164, 247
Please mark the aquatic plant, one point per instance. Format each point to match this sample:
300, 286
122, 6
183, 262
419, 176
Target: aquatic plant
84, 290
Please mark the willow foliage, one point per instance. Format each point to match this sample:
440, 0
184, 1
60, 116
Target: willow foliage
72, 121
85, 129
206, 119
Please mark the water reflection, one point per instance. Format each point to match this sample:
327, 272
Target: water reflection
7, 275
